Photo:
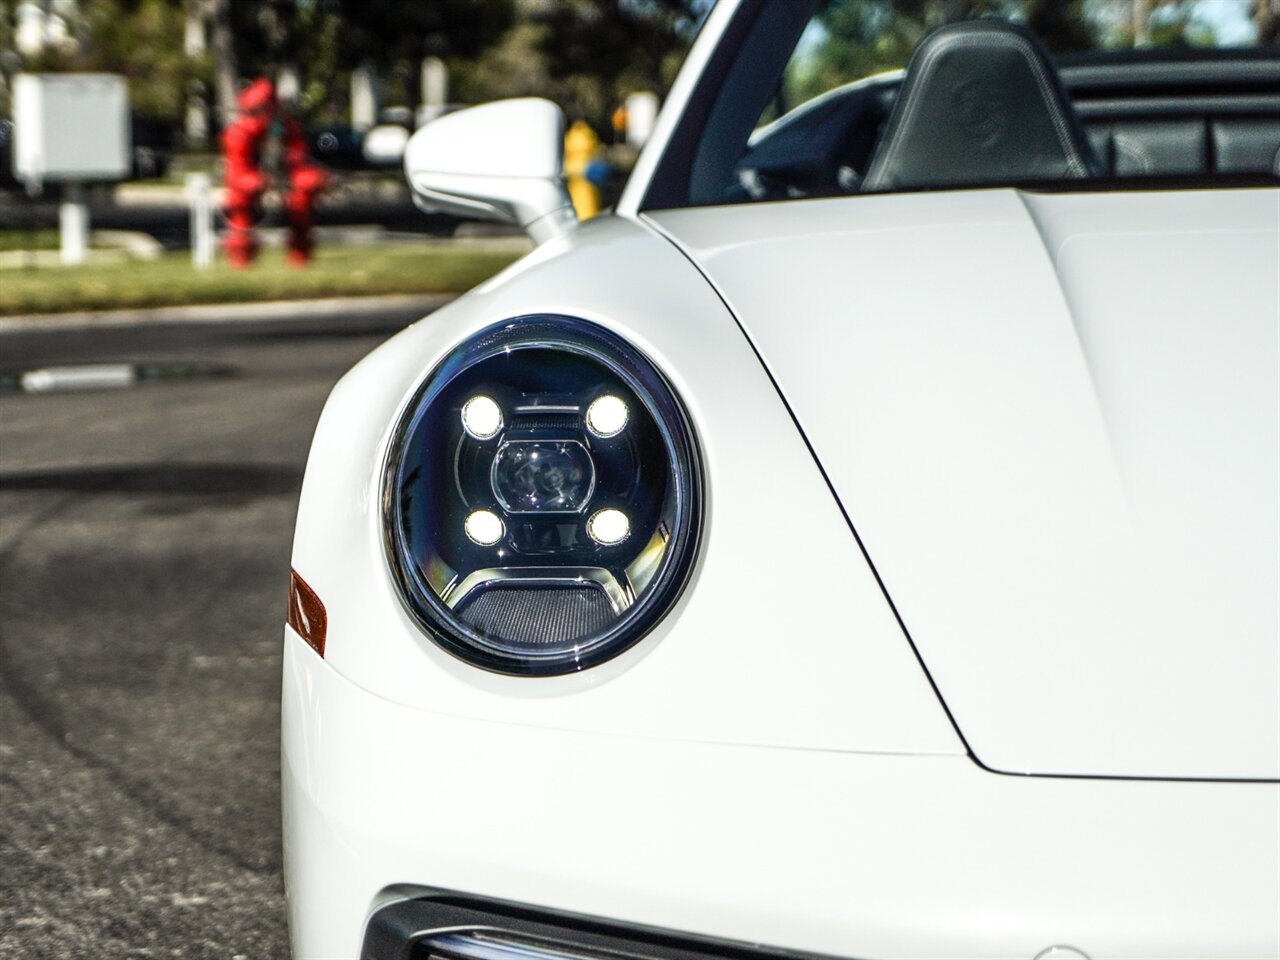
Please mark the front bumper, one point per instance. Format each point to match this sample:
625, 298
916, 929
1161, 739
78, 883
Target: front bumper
442, 925
822, 852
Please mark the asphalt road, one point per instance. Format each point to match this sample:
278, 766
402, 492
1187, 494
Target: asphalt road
144, 558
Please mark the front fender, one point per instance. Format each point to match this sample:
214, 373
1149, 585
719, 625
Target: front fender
782, 638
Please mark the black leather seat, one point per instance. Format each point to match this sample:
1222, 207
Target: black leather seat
981, 104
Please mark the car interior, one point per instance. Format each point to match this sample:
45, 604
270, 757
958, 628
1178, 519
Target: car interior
983, 103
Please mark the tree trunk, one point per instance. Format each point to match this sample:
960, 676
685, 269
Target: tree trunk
1142, 22
195, 44
225, 72
1266, 14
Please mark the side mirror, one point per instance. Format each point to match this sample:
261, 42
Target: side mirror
499, 161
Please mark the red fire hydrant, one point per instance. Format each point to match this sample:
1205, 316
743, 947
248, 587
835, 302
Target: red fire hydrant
305, 181
245, 180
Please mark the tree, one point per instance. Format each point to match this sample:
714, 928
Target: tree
8, 57
141, 39
587, 55
1061, 25
1266, 17
225, 66
397, 36
598, 51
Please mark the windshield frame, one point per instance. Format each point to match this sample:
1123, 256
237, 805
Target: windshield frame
722, 73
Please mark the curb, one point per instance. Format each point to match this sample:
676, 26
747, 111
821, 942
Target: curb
274, 311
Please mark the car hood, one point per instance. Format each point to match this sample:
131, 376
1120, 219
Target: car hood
1053, 422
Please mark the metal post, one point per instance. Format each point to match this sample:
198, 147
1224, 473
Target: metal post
73, 223
642, 115
199, 196
435, 90
364, 97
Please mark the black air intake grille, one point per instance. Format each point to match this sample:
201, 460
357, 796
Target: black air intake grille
537, 614
448, 926
567, 423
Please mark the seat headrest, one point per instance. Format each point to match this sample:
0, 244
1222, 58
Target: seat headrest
981, 103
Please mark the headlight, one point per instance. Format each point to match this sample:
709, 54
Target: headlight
542, 498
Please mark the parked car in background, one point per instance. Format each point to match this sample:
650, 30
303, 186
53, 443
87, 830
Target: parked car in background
338, 147
863, 542
154, 144
342, 147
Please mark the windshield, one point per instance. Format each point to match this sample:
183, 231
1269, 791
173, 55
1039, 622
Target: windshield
870, 96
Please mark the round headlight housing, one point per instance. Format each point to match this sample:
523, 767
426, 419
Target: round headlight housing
542, 498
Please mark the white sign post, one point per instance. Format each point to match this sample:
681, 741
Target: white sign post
73, 223
642, 115
364, 97
199, 195
435, 91
73, 129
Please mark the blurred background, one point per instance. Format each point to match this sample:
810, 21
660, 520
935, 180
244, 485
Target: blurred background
173, 313
159, 387
355, 77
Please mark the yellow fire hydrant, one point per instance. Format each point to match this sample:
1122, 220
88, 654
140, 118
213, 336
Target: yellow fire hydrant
580, 146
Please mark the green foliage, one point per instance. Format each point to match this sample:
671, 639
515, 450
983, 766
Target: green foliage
8, 56
1169, 23
142, 39
587, 55
6, 26
385, 31
513, 67
597, 51
850, 39
395, 36
325, 39
321, 39
1062, 25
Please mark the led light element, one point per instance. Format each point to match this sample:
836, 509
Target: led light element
609, 526
607, 416
481, 417
485, 528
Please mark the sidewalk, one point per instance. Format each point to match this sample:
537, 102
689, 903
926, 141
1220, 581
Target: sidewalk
106, 246
273, 311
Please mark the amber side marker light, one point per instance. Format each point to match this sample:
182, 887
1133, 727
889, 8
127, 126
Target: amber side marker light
306, 613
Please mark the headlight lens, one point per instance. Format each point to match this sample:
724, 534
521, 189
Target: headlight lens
542, 498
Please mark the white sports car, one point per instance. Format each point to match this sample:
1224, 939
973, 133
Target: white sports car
863, 542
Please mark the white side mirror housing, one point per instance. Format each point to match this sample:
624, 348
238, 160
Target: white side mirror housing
499, 161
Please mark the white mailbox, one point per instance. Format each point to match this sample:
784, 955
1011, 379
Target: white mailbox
70, 127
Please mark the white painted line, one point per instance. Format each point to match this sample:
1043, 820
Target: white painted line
88, 376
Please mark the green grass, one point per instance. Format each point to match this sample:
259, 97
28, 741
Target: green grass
171, 280
28, 240
23, 240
